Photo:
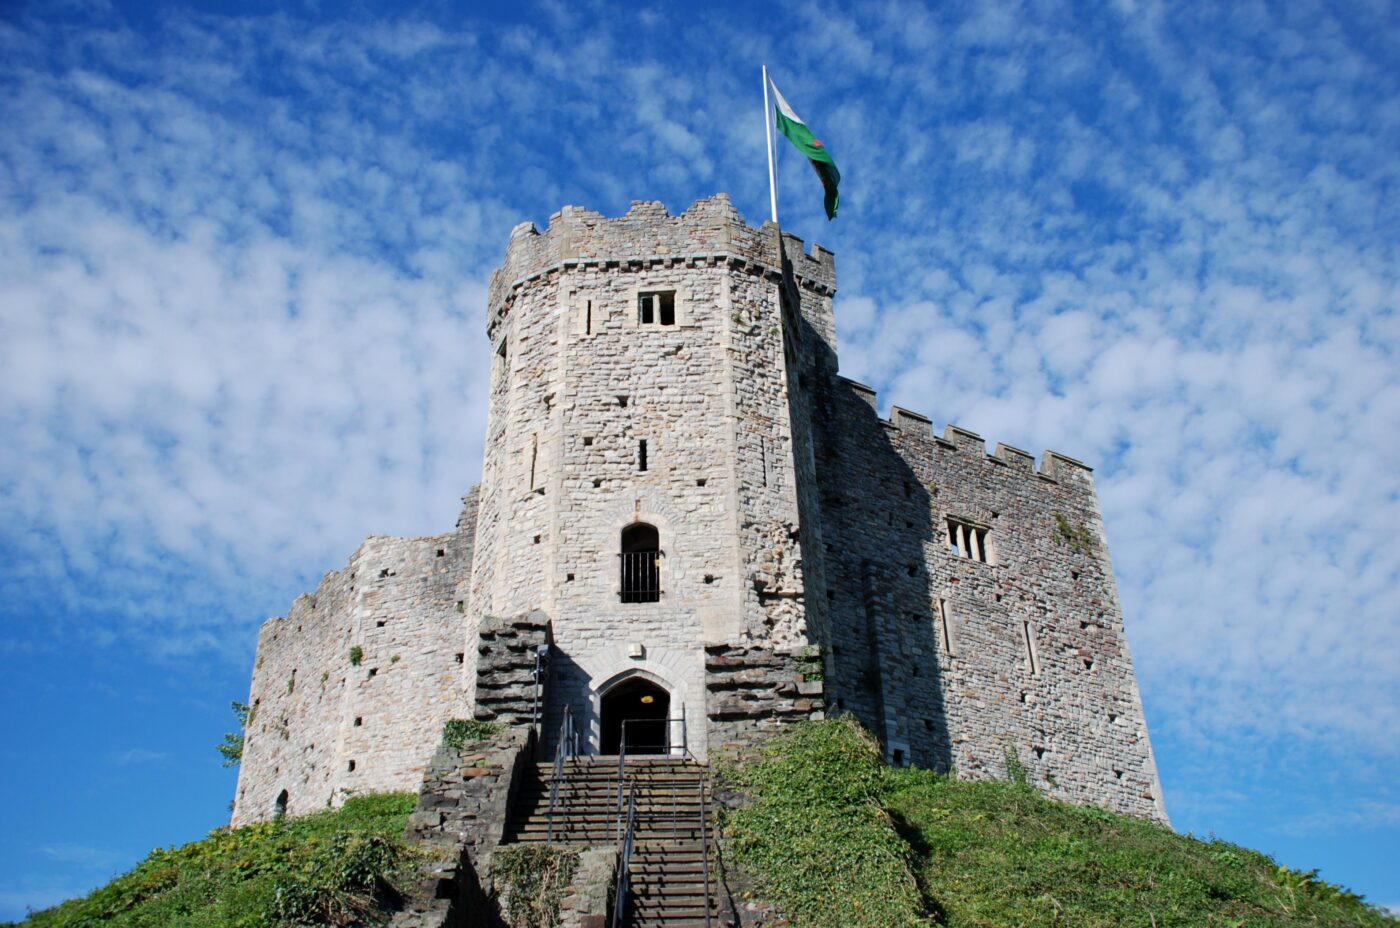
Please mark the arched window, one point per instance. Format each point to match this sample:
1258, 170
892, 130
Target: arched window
280, 809
640, 564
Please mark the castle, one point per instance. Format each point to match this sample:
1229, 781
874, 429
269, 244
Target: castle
689, 521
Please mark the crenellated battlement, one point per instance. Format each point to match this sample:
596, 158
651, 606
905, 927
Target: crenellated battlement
920, 427
711, 232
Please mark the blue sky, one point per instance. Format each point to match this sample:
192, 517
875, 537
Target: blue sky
243, 257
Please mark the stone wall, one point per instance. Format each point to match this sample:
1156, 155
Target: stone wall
459, 821
954, 661
508, 689
324, 727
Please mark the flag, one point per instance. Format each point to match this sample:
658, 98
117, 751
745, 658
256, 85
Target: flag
792, 126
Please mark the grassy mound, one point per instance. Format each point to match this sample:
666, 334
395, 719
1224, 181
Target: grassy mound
334, 868
835, 838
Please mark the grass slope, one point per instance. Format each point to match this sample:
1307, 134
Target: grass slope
835, 838
333, 868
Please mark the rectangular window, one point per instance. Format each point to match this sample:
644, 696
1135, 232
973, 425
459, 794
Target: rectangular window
967, 540
657, 307
642, 455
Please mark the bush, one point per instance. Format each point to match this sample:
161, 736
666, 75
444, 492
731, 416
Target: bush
457, 732
533, 878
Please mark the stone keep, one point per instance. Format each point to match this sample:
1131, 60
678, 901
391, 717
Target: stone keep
688, 504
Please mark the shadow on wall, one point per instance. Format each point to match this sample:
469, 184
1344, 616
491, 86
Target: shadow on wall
882, 636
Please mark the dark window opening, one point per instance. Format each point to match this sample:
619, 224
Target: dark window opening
657, 308
441, 552
642, 455
279, 808
701, 482
350, 766
638, 710
640, 564
457, 657
588, 319
359, 720
622, 401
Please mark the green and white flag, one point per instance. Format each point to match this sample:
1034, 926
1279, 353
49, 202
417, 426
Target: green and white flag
792, 126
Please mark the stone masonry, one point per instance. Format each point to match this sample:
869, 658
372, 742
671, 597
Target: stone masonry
679, 374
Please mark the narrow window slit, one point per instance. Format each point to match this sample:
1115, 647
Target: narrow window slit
1032, 658
945, 636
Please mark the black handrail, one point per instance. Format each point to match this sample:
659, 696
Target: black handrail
624, 861
704, 844
566, 748
669, 745
621, 775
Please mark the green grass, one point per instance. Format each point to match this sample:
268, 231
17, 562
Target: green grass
833, 837
816, 836
333, 868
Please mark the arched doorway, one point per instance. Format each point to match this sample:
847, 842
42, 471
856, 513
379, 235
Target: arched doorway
645, 707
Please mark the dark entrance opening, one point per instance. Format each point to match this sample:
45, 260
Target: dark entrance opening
646, 708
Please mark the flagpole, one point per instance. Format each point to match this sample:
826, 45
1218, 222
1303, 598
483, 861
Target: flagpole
768, 132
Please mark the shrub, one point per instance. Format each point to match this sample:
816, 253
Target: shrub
457, 732
533, 877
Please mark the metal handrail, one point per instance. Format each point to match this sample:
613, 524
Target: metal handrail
566, 748
704, 844
621, 775
672, 746
622, 753
624, 861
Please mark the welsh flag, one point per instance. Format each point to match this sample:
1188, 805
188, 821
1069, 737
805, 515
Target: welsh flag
792, 126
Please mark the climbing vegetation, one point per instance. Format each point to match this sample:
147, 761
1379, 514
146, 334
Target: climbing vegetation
232, 747
531, 879
1077, 537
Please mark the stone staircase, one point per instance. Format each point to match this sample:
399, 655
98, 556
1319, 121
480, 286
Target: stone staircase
668, 859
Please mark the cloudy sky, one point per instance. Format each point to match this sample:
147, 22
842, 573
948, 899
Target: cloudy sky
243, 252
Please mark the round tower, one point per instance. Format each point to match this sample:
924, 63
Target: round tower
640, 485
